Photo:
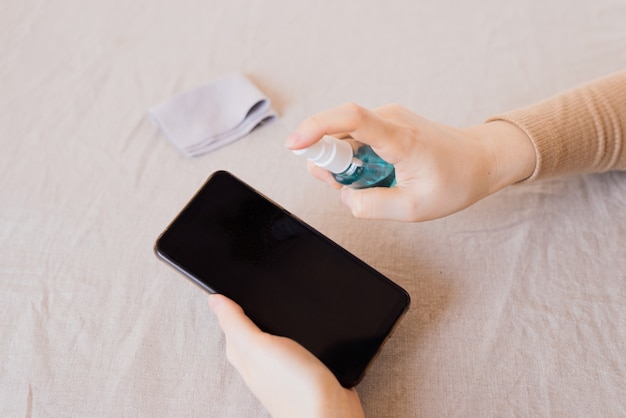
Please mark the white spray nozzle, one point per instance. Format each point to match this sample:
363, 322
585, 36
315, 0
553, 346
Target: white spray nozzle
330, 153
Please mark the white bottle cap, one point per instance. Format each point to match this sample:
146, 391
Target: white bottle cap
330, 153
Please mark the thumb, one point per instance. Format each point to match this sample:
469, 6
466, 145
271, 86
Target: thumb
237, 327
390, 203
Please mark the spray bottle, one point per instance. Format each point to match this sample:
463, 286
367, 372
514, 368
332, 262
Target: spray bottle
352, 163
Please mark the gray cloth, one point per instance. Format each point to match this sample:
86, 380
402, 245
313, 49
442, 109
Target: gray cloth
212, 115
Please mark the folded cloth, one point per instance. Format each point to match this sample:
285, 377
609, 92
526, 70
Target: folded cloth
212, 115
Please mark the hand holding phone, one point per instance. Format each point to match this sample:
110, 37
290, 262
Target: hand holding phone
289, 279
287, 379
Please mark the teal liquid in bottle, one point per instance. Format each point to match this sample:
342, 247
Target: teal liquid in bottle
367, 169
352, 163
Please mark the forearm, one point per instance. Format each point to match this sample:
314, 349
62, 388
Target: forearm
580, 131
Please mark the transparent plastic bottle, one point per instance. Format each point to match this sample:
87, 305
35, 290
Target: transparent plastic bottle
352, 163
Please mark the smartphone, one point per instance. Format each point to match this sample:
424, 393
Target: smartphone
289, 279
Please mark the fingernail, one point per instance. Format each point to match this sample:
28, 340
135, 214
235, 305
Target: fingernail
214, 302
292, 140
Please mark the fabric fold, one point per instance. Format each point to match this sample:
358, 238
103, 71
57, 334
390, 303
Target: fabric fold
212, 115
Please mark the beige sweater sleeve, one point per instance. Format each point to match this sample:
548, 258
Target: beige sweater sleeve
580, 131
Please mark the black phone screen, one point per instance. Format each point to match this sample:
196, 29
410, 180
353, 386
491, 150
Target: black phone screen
289, 279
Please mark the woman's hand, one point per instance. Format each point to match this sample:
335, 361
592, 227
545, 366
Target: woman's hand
287, 379
439, 169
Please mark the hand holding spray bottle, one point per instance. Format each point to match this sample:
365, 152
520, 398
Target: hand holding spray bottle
352, 163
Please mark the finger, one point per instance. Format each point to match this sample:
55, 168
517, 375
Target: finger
382, 203
237, 327
396, 113
322, 174
360, 123
342, 135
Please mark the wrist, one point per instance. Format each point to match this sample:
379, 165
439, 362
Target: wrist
510, 153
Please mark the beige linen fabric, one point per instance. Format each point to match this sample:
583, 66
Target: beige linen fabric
518, 302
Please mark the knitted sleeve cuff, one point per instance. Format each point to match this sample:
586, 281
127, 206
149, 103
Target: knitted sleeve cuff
582, 130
